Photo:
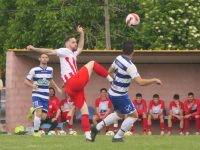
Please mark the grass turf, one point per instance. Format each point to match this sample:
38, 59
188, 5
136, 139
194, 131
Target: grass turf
27, 142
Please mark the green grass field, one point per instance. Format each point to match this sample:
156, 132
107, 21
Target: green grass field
26, 142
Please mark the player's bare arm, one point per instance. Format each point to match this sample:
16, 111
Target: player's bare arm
81, 40
111, 71
143, 82
41, 50
52, 83
30, 84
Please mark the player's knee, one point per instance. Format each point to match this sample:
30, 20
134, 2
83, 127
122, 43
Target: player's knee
38, 112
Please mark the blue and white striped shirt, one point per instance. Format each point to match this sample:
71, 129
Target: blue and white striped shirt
125, 71
41, 77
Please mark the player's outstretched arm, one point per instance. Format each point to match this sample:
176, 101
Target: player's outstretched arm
41, 50
143, 82
81, 40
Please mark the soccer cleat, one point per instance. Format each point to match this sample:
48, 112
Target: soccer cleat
149, 133
36, 134
169, 133
162, 133
117, 139
144, 133
197, 133
89, 140
187, 133
94, 132
181, 133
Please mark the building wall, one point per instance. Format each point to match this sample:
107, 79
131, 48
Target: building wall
177, 78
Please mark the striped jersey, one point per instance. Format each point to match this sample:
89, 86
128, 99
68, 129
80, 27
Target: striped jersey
41, 77
125, 71
67, 63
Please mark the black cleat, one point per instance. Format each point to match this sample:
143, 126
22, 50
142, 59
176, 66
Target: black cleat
94, 132
117, 139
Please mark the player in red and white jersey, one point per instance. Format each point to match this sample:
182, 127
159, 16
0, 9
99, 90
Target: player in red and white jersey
141, 107
67, 112
156, 108
74, 80
176, 109
192, 112
102, 107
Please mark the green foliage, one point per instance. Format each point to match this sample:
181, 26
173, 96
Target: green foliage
165, 24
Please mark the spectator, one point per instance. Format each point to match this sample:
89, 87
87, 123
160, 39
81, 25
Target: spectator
141, 107
156, 108
176, 108
67, 112
192, 112
53, 114
102, 107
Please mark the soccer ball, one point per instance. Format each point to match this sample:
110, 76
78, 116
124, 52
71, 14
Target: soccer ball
129, 133
51, 132
42, 133
61, 132
110, 133
132, 20
72, 132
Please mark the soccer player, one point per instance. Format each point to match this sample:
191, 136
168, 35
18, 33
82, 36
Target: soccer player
75, 80
102, 106
39, 79
124, 71
141, 107
53, 114
67, 112
156, 108
176, 108
192, 112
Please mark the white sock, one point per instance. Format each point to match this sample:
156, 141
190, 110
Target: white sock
110, 79
126, 126
110, 119
88, 135
36, 123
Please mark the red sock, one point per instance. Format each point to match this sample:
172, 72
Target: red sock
197, 123
186, 125
162, 126
100, 70
70, 126
144, 124
149, 128
180, 129
169, 129
85, 123
69, 118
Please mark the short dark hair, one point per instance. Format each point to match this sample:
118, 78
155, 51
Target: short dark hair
68, 37
176, 96
103, 89
155, 96
138, 95
128, 47
190, 94
51, 88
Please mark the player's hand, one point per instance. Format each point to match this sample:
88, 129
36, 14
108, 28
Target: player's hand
30, 47
35, 87
80, 29
158, 81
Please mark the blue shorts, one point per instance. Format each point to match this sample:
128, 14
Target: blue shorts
39, 102
122, 104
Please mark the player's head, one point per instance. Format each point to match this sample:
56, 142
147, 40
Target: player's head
52, 92
44, 58
103, 92
176, 97
138, 97
156, 98
190, 96
128, 48
71, 43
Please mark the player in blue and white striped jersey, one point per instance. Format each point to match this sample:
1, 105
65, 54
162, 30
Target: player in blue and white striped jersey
123, 71
39, 79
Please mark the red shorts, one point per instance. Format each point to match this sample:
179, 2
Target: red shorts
64, 116
75, 87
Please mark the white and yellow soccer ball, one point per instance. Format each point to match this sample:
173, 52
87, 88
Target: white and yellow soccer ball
52, 132
61, 132
128, 133
133, 20
72, 132
110, 133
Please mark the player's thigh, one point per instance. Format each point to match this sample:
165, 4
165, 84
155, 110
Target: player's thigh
90, 66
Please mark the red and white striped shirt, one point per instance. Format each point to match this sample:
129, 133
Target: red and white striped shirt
67, 63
